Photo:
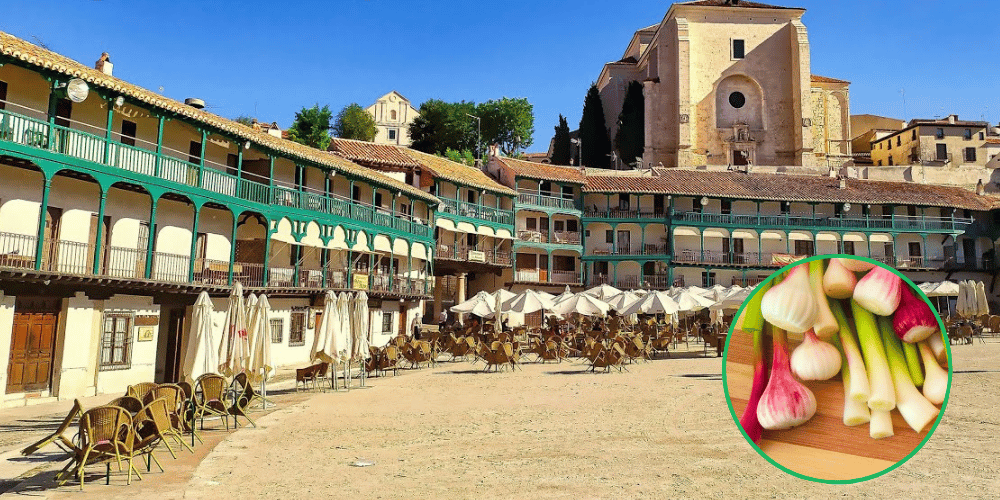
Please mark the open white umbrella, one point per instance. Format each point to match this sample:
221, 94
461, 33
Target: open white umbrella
621, 301
234, 351
563, 296
581, 303
690, 302
260, 341
481, 304
325, 343
527, 302
201, 356
603, 292
658, 302
503, 294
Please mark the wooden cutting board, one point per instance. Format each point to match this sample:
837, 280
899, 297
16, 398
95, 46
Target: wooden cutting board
823, 447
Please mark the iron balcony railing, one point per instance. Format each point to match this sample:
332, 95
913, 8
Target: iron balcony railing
543, 276
546, 201
475, 211
485, 256
632, 282
39, 134
873, 222
596, 212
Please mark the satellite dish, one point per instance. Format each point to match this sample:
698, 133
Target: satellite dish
77, 90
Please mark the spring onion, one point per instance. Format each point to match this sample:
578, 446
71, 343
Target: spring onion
838, 281
935, 377
785, 402
859, 390
825, 325
753, 323
883, 396
912, 405
790, 305
879, 291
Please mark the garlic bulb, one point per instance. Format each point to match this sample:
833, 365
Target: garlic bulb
825, 325
838, 281
815, 359
879, 291
785, 403
790, 305
913, 320
855, 265
935, 378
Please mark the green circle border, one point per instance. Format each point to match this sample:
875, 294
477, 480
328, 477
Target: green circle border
944, 405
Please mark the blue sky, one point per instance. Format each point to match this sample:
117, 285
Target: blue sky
268, 59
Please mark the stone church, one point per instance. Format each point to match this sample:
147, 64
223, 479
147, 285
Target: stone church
728, 82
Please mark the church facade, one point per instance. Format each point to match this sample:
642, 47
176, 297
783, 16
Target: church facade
728, 82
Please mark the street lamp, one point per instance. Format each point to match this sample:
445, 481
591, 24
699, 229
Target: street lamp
479, 134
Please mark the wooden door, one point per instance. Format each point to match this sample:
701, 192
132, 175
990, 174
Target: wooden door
50, 250
175, 334
32, 344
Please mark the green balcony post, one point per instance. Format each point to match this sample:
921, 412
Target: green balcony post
701, 239
194, 242
297, 255
240, 191
267, 255
324, 258
151, 240
642, 231
159, 146
98, 251
232, 250
270, 172
53, 100
371, 270
350, 263
43, 210
391, 261
201, 158
107, 130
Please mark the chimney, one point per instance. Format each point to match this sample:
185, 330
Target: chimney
843, 182
195, 103
104, 64
494, 150
980, 188
952, 118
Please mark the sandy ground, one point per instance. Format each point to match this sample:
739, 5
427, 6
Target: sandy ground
555, 431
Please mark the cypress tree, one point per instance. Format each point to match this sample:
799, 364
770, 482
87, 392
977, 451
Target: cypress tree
561, 145
630, 140
594, 133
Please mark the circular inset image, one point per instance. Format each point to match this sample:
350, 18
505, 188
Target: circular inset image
837, 369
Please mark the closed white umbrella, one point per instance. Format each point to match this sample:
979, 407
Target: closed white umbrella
982, 306
359, 328
603, 292
260, 341
621, 301
527, 302
201, 356
345, 339
325, 343
581, 303
234, 351
658, 302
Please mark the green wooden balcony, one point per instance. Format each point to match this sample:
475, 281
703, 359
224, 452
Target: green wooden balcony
879, 223
38, 134
475, 211
545, 202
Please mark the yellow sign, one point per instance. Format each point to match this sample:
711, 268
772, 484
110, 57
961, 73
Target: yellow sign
144, 334
477, 256
360, 282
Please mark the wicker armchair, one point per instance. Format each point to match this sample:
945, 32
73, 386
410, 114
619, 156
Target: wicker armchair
148, 424
129, 403
243, 396
139, 391
59, 435
172, 395
106, 434
210, 397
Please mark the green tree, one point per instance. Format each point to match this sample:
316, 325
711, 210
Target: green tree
442, 126
244, 120
465, 156
353, 122
630, 140
510, 123
596, 148
561, 145
312, 127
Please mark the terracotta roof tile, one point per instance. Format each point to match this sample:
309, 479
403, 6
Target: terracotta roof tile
389, 156
38, 57
377, 155
826, 79
993, 140
544, 171
785, 187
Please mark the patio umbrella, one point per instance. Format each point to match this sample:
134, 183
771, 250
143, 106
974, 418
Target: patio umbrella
345, 338
527, 302
563, 296
603, 292
260, 341
581, 303
201, 356
359, 328
621, 301
658, 302
481, 304
734, 300
688, 301
982, 306
325, 343
234, 351
503, 294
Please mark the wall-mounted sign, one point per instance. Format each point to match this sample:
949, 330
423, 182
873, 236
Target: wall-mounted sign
477, 256
147, 320
360, 282
144, 334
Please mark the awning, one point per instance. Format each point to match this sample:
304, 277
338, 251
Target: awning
799, 236
419, 251
715, 233
505, 234
742, 233
826, 237
361, 245
485, 231
854, 237
382, 244
339, 241
771, 235
685, 231
400, 247
876, 238
465, 227
445, 224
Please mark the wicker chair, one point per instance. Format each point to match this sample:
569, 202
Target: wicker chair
129, 403
244, 395
106, 434
139, 391
152, 426
209, 398
187, 409
389, 359
172, 395
58, 436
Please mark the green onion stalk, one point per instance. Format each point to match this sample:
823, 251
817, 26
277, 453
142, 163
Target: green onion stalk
912, 405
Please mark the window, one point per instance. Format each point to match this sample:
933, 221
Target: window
194, 152
531, 224
707, 279
392, 116
587, 232
386, 322
739, 49
571, 226
890, 161
116, 342
942, 151
970, 154
939, 133
899, 140
297, 330
3, 95
849, 247
913, 136
64, 109
911, 210
890, 144
277, 330
967, 134
982, 135
356, 193
378, 200
727, 206
623, 202
737, 100
880, 163
609, 236
128, 132
786, 207
392, 133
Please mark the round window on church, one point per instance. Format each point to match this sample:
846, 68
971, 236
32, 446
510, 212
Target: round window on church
737, 99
